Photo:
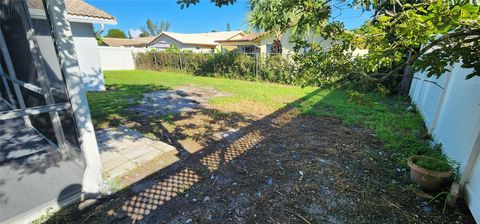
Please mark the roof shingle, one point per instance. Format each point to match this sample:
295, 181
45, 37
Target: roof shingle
247, 38
76, 8
134, 42
209, 38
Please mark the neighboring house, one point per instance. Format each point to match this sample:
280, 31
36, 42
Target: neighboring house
261, 43
256, 43
245, 43
123, 42
196, 42
81, 16
48, 149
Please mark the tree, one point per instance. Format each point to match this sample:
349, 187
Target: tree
144, 34
219, 3
427, 35
99, 40
164, 26
268, 15
153, 29
116, 33
228, 27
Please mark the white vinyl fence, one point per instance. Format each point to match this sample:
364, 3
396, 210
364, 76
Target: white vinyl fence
119, 58
450, 106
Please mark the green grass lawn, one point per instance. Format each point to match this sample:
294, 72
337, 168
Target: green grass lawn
127, 88
399, 129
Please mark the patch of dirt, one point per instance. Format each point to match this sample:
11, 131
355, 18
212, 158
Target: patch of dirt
283, 168
253, 109
183, 99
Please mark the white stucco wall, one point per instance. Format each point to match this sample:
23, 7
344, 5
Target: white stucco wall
119, 58
287, 46
88, 56
185, 47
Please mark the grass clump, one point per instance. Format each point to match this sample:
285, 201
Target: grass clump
433, 164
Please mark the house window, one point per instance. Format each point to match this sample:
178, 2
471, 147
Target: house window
198, 48
269, 48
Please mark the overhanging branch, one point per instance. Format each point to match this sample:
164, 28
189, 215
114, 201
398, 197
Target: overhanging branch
414, 58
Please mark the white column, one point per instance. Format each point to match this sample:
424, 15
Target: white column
73, 78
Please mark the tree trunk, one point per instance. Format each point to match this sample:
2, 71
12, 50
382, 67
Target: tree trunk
406, 80
277, 46
404, 86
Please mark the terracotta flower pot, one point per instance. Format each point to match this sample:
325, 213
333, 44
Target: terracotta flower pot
428, 179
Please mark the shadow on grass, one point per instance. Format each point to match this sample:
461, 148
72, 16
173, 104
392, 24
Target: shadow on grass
108, 108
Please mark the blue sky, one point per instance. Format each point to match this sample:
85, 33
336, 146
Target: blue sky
203, 17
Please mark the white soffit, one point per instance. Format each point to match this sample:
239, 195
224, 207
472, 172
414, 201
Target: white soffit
40, 14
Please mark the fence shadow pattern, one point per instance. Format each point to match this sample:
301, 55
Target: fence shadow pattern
146, 196
149, 199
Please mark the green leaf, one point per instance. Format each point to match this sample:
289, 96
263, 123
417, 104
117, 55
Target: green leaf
469, 10
384, 18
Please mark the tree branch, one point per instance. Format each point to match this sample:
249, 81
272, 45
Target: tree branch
414, 58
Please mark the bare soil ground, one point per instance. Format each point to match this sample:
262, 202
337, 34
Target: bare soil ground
282, 168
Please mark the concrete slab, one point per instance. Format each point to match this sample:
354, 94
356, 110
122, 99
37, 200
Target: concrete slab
123, 149
111, 159
141, 149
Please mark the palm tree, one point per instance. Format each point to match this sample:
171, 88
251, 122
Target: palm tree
267, 15
153, 29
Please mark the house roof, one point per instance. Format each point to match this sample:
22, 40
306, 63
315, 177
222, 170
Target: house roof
209, 38
77, 8
134, 42
246, 38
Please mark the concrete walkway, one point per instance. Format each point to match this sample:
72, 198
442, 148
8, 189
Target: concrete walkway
123, 149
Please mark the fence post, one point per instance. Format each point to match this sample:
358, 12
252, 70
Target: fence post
179, 61
256, 67
154, 60
213, 63
185, 65
182, 61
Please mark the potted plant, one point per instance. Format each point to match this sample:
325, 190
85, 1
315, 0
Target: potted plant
429, 172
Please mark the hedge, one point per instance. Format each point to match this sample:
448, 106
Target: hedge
271, 68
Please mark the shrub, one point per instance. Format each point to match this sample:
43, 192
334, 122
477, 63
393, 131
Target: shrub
432, 164
233, 65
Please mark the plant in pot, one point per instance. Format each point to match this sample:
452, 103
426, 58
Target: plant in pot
429, 172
